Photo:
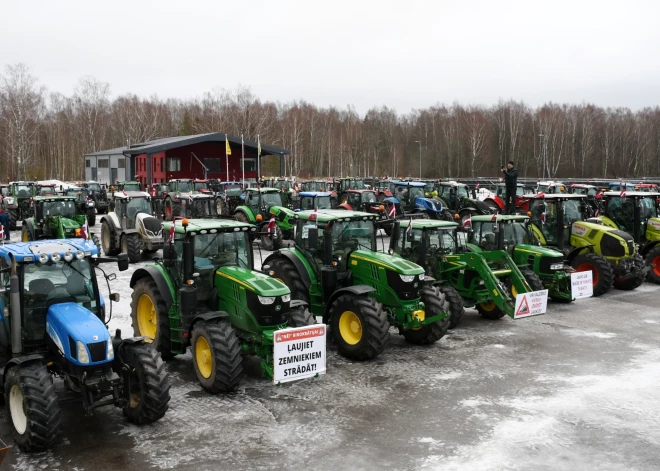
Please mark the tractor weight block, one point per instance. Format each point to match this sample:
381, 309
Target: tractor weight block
122, 262
328, 281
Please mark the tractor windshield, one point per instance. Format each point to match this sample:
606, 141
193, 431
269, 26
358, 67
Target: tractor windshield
416, 192
66, 209
271, 199
462, 192
23, 191
317, 202
368, 197
185, 187
648, 208
5, 190
515, 233
199, 186
46, 191
201, 207
94, 187
134, 206
353, 235
221, 250
132, 187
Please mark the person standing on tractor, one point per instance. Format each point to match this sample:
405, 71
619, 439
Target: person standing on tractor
4, 222
511, 181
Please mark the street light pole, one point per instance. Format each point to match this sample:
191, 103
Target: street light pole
420, 158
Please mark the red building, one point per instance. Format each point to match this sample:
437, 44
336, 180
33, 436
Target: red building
198, 156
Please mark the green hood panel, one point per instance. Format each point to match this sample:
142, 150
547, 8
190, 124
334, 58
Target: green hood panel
390, 262
281, 209
255, 281
538, 250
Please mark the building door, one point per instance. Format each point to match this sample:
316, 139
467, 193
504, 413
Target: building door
94, 171
113, 175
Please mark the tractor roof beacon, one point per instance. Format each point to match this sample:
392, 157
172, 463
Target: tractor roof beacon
205, 295
52, 323
358, 291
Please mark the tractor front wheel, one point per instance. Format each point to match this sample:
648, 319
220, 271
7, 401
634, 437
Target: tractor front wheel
456, 308
490, 311
32, 407
286, 272
91, 217
107, 240
300, 317
13, 218
601, 271
434, 304
216, 355
149, 388
271, 242
130, 244
653, 261
533, 280
149, 316
359, 326
634, 278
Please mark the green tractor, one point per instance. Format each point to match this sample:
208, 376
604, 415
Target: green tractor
487, 280
557, 220
359, 292
636, 212
84, 204
542, 267
56, 218
261, 206
205, 295
18, 203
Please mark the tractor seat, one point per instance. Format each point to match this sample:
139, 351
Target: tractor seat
75, 285
42, 286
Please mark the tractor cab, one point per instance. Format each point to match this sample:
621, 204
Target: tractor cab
45, 189
310, 200
551, 188
23, 190
55, 217
451, 193
127, 186
181, 185
314, 186
85, 205
346, 184
263, 207
553, 215
261, 200
129, 204
5, 190
647, 187
500, 232
202, 186
635, 212
97, 193
427, 241
361, 200
583, 189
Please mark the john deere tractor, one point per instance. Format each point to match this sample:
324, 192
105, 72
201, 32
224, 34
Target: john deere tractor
359, 292
459, 199
18, 203
636, 212
261, 205
130, 227
487, 280
53, 324
542, 267
205, 295
557, 220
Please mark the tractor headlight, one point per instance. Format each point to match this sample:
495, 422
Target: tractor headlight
68, 257
286, 298
557, 266
266, 299
80, 254
56, 257
407, 278
111, 350
9, 200
83, 357
421, 277
43, 258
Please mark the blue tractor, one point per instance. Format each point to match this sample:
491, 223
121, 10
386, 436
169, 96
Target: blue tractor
52, 323
314, 200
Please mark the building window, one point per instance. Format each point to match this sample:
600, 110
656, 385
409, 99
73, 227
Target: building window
121, 163
173, 164
162, 164
212, 164
250, 165
88, 163
103, 163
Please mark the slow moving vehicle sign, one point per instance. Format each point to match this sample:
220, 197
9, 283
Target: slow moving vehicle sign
299, 353
531, 304
582, 284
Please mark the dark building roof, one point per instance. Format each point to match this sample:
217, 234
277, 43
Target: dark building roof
159, 145
115, 151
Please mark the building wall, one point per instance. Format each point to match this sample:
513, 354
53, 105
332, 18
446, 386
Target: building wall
106, 168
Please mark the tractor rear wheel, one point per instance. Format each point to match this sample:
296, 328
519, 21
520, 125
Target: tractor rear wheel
634, 279
216, 355
359, 326
456, 308
286, 272
107, 240
150, 317
600, 268
300, 317
130, 244
434, 303
32, 407
653, 261
91, 217
490, 311
269, 243
533, 280
149, 394
13, 218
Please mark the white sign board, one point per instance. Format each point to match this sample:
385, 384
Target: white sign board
582, 285
299, 353
531, 304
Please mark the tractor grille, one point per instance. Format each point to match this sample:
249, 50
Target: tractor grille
152, 225
270, 314
611, 247
544, 264
98, 351
403, 289
281, 216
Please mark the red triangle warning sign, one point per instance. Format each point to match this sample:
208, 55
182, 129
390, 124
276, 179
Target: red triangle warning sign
523, 310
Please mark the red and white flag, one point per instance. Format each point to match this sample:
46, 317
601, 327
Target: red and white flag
170, 239
468, 221
623, 194
2, 234
409, 231
125, 194
314, 216
392, 211
543, 217
541, 195
84, 231
271, 224
493, 218
153, 191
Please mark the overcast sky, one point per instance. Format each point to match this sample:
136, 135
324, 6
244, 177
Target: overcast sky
404, 54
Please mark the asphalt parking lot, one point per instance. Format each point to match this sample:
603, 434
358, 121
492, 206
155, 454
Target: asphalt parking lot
577, 388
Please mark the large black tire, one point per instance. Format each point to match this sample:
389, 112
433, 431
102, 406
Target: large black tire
634, 279
364, 339
32, 407
603, 275
300, 317
150, 384
490, 311
533, 280
154, 316
240, 216
286, 272
456, 307
107, 241
274, 243
130, 244
216, 355
652, 259
91, 217
434, 303
13, 218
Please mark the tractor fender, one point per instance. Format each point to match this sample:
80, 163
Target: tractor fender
29, 223
207, 316
248, 213
358, 290
21, 360
294, 303
112, 220
345, 206
577, 251
300, 267
159, 279
648, 247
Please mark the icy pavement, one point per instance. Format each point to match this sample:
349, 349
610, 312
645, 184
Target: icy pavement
577, 388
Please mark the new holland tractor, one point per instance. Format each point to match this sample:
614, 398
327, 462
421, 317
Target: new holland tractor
53, 325
18, 203
56, 218
359, 292
542, 267
130, 227
486, 280
205, 295
262, 205
410, 198
558, 221
636, 212
310, 200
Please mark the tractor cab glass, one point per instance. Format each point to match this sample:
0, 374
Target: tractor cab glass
132, 187
5, 191
94, 187
46, 191
314, 202
283, 185
199, 186
131, 208
185, 187
201, 207
648, 208
416, 192
353, 235
269, 199
23, 191
66, 209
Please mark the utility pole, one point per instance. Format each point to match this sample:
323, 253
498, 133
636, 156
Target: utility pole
420, 158
543, 156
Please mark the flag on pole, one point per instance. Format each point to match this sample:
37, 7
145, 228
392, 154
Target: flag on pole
170, 239
392, 211
409, 231
258, 158
227, 154
2, 234
468, 221
84, 231
243, 158
271, 224
623, 194
314, 215
493, 218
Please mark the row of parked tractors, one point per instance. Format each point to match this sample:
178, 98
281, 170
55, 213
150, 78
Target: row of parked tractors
205, 294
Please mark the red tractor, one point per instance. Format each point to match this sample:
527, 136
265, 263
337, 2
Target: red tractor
383, 190
362, 200
497, 200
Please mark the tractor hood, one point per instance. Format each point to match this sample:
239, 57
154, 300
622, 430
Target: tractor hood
581, 228
68, 323
539, 251
653, 229
397, 264
259, 283
427, 204
277, 210
148, 226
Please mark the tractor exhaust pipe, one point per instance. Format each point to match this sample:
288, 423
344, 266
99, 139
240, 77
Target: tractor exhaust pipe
15, 300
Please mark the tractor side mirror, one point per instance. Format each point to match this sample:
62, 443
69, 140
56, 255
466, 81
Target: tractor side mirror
122, 262
313, 237
496, 228
111, 277
396, 228
169, 255
114, 297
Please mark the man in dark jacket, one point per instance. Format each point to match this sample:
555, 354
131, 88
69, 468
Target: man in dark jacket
511, 182
4, 222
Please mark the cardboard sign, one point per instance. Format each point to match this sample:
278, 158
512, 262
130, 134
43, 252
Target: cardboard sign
582, 285
531, 304
299, 353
